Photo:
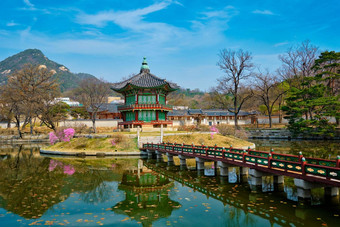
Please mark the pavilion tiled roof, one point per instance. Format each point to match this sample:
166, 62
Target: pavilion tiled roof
144, 80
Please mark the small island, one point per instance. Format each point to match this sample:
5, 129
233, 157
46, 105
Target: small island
126, 144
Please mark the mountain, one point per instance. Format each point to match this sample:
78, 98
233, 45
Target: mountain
67, 79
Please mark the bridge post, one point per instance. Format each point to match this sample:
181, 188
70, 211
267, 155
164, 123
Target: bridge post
199, 163
170, 157
159, 155
304, 188
150, 154
244, 174
332, 195
182, 161
244, 170
331, 191
278, 182
256, 179
278, 179
224, 168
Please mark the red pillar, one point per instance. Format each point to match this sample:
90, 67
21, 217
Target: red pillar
157, 115
136, 115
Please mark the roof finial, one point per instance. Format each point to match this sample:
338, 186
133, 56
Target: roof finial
145, 67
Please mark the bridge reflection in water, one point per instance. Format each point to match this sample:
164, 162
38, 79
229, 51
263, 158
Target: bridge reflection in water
272, 201
308, 172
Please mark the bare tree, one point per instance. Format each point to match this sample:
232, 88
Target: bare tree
12, 102
237, 66
297, 64
269, 91
5, 111
26, 90
92, 93
298, 61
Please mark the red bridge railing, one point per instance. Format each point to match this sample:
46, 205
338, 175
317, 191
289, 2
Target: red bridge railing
286, 163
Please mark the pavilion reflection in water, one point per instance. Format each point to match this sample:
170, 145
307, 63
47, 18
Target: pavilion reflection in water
146, 196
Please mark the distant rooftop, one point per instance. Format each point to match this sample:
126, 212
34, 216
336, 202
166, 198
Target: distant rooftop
209, 112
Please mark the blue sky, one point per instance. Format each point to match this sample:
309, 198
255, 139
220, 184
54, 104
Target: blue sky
180, 38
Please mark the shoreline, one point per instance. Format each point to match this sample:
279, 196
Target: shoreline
141, 152
98, 154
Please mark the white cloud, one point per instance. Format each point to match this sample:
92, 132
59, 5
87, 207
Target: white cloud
204, 31
31, 7
28, 3
139, 35
126, 19
263, 12
225, 13
280, 44
11, 24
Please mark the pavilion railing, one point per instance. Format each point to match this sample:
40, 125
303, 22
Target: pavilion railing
145, 106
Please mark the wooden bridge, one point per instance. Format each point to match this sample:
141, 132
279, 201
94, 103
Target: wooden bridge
308, 172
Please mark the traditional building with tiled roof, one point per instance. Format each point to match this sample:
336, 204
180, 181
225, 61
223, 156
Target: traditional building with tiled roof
210, 117
145, 100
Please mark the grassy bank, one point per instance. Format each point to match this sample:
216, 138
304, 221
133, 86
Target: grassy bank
208, 140
123, 144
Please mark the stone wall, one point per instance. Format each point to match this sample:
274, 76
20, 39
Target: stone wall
99, 123
269, 134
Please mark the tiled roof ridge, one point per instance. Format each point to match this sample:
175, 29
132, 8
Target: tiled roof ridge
144, 79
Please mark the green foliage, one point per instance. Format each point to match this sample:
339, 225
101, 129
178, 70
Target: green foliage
60, 109
51, 114
309, 107
263, 109
79, 112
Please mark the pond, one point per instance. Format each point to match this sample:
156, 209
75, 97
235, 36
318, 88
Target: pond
40, 190
310, 148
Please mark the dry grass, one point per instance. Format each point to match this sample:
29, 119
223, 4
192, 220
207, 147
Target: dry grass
95, 145
26, 130
197, 138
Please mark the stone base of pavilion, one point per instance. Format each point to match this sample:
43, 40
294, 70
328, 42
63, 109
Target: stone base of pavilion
153, 126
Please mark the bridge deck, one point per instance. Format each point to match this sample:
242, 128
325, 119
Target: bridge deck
316, 170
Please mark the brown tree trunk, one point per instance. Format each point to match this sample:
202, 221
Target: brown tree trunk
31, 126
18, 126
280, 115
94, 123
236, 120
270, 119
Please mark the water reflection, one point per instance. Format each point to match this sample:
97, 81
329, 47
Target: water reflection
147, 192
29, 186
310, 148
146, 196
276, 206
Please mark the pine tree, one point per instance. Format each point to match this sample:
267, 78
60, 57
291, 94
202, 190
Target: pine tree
318, 97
